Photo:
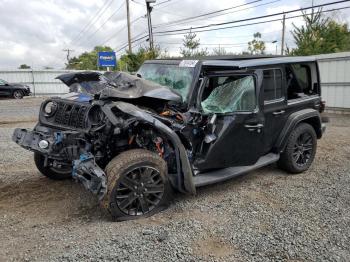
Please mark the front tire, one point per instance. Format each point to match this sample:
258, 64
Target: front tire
137, 185
17, 94
50, 172
300, 150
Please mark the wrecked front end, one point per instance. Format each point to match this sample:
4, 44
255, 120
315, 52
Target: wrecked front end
83, 135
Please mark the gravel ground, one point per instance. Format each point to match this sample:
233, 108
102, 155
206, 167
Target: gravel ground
265, 215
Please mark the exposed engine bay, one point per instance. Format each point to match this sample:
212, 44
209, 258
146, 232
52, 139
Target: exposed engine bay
84, 131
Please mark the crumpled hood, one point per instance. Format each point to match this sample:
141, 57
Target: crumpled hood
118, 85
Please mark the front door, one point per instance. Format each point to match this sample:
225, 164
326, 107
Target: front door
236, 123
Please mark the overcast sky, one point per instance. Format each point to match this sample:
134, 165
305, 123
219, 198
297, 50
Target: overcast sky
35, 32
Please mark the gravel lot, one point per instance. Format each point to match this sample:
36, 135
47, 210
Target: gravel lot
265, 215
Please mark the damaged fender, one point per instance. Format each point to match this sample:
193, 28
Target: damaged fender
183, 180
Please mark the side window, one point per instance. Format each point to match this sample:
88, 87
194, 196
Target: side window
229, 94
302, 74
272, 84
299, 80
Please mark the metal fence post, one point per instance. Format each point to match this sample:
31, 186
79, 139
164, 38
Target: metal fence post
33, 82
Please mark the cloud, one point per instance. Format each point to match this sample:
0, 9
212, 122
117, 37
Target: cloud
36, 31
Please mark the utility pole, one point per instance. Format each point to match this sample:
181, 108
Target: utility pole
283, 34
68, 54
128, 19
150, 31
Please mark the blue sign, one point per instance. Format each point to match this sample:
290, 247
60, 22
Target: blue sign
107, 59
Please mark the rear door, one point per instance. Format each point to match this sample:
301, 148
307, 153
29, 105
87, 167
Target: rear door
275, 104
231, 104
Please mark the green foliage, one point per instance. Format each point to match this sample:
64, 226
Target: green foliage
320, 35
132, 61
219, 51
256, 46
24, 66
87, 60
191, 45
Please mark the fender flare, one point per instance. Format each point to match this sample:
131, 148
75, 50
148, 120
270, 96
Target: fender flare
310, 116
183, 180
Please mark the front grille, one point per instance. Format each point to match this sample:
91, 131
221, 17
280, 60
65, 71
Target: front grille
71, 115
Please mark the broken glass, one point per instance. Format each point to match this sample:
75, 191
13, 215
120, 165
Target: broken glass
233, 95
177, 78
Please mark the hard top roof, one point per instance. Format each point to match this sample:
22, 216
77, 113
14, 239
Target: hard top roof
241, 61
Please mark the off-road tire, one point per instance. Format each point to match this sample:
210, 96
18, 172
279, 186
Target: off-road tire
119, 168
287, 162
52, 173
17, 94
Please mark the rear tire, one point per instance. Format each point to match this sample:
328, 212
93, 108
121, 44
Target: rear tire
137, 185
300, 150
50, 172
17, 94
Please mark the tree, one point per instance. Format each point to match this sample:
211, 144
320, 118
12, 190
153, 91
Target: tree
131, 62
256, 46
87, 60
24, 66
219, 51
191, 45
320, 35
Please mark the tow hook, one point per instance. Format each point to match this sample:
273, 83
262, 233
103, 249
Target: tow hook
86, 171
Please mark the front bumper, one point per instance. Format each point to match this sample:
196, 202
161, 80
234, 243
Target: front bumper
30, 140
53, 146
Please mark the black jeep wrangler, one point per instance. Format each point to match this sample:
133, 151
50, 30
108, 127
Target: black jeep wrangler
177, 125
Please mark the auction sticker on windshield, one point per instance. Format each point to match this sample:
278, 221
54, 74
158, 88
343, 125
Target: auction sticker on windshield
188, 63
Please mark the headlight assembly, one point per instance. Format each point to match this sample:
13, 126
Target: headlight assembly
50, 108
96, 115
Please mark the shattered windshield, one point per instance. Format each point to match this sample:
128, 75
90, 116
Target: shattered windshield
229, 94
177, 78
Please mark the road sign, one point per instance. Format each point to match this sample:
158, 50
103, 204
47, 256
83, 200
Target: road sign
107, 59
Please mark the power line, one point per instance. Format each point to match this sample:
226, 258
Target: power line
212, 16
243, 25
198, 16
251, 18
166, 1
121, 30
109, 18
97, 15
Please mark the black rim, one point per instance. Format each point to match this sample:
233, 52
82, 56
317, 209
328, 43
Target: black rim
17, 94
139, 191
303, 149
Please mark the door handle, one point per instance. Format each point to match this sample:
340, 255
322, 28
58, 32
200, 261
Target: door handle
256, 127
277, 113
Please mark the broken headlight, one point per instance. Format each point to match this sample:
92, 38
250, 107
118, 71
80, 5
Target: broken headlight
96, 115
50, 108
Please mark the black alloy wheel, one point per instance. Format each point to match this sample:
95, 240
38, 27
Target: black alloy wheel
18, 94
300, 150
137, 185
303, 149
139, 191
